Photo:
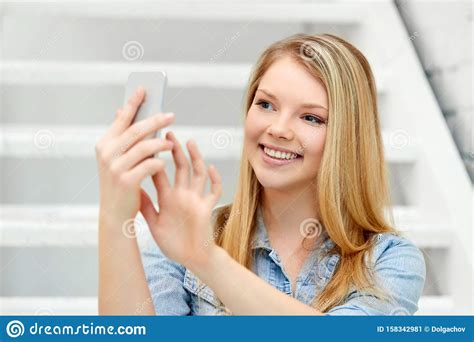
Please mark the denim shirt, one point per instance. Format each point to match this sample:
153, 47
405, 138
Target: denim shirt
397, 264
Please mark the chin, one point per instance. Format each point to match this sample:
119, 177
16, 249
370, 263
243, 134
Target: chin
272, 182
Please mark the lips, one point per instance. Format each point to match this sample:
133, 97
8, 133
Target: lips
272, 147
274, 162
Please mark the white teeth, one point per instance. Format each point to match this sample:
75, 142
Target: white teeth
278, 154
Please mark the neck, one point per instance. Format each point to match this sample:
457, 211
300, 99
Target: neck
284, 211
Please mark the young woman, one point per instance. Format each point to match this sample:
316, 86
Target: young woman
306, 233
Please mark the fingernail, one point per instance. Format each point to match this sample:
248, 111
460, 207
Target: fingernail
169, 115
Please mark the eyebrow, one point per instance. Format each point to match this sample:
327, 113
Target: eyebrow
305, 105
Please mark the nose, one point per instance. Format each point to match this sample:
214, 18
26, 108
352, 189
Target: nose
280, 128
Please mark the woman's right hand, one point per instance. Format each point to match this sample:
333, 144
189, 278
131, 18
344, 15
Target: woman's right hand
122, 158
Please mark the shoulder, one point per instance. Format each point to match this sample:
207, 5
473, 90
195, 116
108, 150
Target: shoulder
400, 265
399, 270
397, 249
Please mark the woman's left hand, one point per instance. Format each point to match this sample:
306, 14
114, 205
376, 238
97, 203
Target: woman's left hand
182, 227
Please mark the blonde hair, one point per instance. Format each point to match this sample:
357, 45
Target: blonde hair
353, 195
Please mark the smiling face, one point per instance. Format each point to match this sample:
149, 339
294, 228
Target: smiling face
288, 114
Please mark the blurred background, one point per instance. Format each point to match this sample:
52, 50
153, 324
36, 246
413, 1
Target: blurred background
63, 70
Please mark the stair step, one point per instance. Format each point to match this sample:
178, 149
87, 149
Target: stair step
180, 75
424, 234
46, 225
435, 305
428, 305
218, 142
74, 225
339, 13
49, 306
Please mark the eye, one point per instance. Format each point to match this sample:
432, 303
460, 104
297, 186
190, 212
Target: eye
313, 119
264, 105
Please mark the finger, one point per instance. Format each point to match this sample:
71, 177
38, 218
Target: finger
216, 185
141, 150
141, 129
125, 115
147, 208
198, 179
148, 167
162, 184
181, 162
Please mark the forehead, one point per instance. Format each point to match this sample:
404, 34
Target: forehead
290, 81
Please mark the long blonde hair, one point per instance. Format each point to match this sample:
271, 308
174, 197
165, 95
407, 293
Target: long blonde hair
353, 195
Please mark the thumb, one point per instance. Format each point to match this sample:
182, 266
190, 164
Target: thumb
147, 209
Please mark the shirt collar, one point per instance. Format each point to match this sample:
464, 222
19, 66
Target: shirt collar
260, 238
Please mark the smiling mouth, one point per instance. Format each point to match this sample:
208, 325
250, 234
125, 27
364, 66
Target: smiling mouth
262, 147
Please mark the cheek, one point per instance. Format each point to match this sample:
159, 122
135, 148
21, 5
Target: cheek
254, 126
315, 148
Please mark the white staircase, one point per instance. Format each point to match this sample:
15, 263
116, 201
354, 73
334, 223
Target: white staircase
62, 78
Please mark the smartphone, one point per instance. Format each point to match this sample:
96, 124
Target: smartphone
154, 84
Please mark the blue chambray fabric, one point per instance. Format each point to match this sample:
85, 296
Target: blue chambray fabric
398, 265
